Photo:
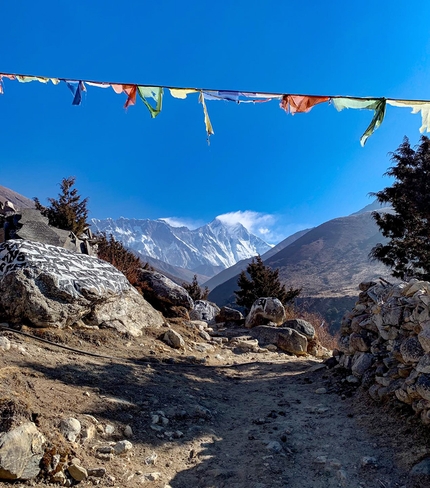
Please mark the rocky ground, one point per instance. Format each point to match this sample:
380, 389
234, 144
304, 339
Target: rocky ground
209, 415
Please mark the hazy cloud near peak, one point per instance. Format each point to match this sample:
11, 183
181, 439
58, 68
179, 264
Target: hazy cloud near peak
271, 228
255, 222
180, 222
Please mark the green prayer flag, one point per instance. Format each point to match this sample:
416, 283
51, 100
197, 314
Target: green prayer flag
154, 92
376, 104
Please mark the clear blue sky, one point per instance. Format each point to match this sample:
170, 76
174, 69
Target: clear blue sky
288, 171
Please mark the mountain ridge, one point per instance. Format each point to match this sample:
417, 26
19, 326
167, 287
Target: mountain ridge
215, 245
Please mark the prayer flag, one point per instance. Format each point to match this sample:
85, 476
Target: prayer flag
154, 92
423, 107
300, 103
181, 92
376, 104
208, 125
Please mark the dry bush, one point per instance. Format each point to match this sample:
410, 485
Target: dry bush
324, 336
115, 253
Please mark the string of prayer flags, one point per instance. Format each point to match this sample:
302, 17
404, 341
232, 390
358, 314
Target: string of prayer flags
152, 97
300, 104
154, 92
417, 107
376, 104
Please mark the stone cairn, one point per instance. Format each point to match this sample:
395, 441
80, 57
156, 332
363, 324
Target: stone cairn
385, 342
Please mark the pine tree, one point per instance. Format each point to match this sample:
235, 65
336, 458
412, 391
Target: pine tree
262, 282
408, 229
194, 290
69, 212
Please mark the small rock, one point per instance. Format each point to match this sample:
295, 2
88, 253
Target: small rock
274, 446
109, 429
122, 446
87, 433
4, 344
152, 476
155, 419
78, 473
96, 472
105, 449
70, 428
321, 390
128, 431
164, 421
321, 460
368, 462
352, 379
173, 339
151, 459
204, 335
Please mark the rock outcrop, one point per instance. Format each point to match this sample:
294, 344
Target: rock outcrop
21, 450
385, 342
47, 286
165, 295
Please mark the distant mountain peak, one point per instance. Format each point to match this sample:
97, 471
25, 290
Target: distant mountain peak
217, 244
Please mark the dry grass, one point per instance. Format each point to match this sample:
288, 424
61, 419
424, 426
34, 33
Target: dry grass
324, 336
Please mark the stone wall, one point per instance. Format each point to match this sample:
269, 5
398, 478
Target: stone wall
385, 341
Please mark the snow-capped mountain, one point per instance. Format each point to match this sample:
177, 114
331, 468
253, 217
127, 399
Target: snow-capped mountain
215, 244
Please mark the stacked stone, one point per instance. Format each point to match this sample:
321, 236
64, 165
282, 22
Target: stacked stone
385, 341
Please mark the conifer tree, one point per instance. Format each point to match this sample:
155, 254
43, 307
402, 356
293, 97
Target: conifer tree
407, 251
262, 281
194, 290
69, 212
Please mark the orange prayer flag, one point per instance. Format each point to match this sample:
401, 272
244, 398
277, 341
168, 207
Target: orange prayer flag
130, 90
299, 103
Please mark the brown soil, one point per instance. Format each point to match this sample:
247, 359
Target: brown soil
251, 420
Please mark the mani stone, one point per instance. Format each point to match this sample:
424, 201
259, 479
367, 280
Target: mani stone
49, 286
265, 310
204, 310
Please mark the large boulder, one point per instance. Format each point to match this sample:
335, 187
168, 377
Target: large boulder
264, 311
48, 286
286, 339
227, 314
21, 450
302, 326
165, 295
204, 310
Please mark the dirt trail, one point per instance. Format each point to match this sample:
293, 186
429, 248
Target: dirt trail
239, 420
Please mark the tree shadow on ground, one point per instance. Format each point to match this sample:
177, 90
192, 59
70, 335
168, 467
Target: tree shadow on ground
227, 413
